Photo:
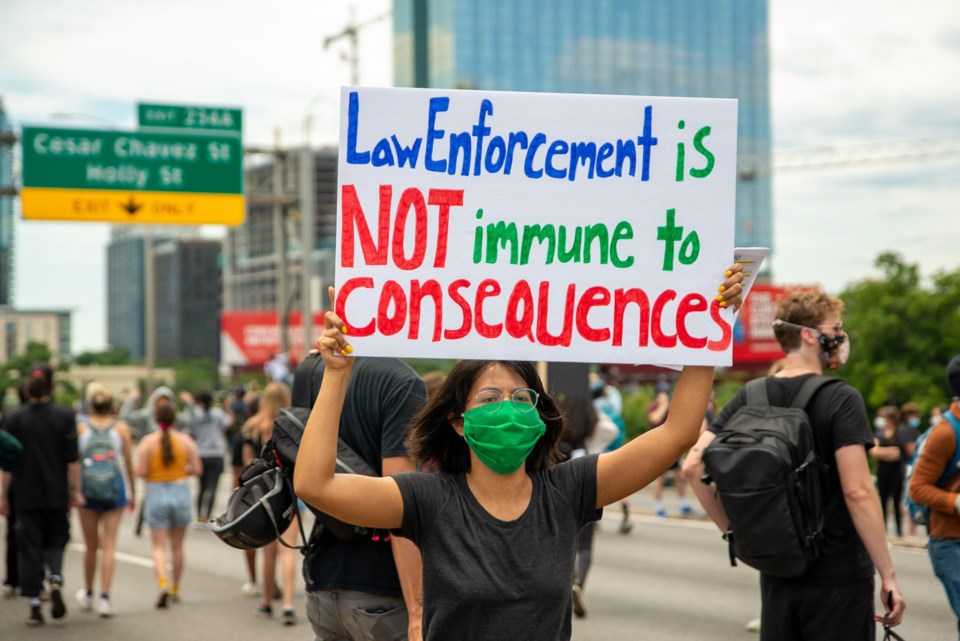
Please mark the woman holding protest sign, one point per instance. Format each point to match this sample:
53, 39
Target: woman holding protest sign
499, 505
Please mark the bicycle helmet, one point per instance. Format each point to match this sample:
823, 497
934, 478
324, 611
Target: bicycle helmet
259, 510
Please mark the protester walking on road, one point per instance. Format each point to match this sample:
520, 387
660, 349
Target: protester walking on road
936, 483
891, 465
208, 430
258, 430
10, 449
165, 459
45, 484
657, 412
143, 421
497, 524
907, 435
244, 410
608, 400
366, 586
106, 454
833, 597
585, 431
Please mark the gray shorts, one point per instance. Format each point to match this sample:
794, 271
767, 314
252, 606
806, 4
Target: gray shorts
168, 505
340, 615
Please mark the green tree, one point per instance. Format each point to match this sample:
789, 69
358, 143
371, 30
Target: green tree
109, 356
901, 334
195, 375
13, 371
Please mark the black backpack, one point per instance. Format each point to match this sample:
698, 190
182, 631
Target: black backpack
283, 447
770, 482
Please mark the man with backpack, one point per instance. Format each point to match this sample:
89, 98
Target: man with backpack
822, 588
369, 588
935, 483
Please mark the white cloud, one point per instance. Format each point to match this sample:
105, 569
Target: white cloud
864, 72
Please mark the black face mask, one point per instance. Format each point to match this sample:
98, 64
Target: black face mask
829, 343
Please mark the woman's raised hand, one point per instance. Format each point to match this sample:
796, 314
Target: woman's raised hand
731, 290
332, 344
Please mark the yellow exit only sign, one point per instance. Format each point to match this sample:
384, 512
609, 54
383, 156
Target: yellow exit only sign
113, 206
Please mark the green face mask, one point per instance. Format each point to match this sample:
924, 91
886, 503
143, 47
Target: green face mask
502, 440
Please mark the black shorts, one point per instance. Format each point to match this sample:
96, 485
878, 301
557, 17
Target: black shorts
236, 451
796, 611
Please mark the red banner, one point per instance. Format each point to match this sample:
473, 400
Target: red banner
753, 339
250, 338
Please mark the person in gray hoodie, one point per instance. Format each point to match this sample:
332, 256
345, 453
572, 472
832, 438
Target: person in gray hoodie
209, 431
142, 420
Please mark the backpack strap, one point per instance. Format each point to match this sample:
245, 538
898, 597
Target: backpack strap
954, 462
810, 388
757, 392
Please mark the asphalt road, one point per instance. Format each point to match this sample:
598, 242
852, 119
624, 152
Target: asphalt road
667, 580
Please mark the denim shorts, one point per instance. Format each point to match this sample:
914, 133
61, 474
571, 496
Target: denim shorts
168, 505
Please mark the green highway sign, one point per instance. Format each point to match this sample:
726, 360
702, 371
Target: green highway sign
124, 160
172, 177
227, 120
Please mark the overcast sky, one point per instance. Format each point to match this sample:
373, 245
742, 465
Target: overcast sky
843, 74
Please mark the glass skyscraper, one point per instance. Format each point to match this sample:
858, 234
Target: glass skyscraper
6, 212
703, 48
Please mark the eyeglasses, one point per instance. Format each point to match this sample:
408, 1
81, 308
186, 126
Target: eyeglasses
837, 328
490, 400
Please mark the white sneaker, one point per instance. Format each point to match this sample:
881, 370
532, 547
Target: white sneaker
250, 589
85, 600
104, 609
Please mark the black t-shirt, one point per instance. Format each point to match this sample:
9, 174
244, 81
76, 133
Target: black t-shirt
382, 397
891, 470
839, 418
485, 579
48, 433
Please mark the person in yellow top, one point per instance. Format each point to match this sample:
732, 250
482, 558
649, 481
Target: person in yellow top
165, 459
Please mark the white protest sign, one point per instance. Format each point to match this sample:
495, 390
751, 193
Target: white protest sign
533, 226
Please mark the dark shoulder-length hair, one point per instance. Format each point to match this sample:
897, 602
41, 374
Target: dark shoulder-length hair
433, 442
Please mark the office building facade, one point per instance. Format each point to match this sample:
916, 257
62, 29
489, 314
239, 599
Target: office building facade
188, 298
251, 259
6, 211
125, 302
697, 48
125, 290
262, 310
19, 327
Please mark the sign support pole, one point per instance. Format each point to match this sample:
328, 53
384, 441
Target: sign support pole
149, 306
280, 245
307, 233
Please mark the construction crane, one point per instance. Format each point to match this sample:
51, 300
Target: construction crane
350, 32
862, 154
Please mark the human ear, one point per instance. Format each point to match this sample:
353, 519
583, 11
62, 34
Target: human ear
456, 423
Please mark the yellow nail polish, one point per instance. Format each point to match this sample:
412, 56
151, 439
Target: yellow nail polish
719, 298
722, 289
343, 352
344, 330
723, 304
349, 349
728, 273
